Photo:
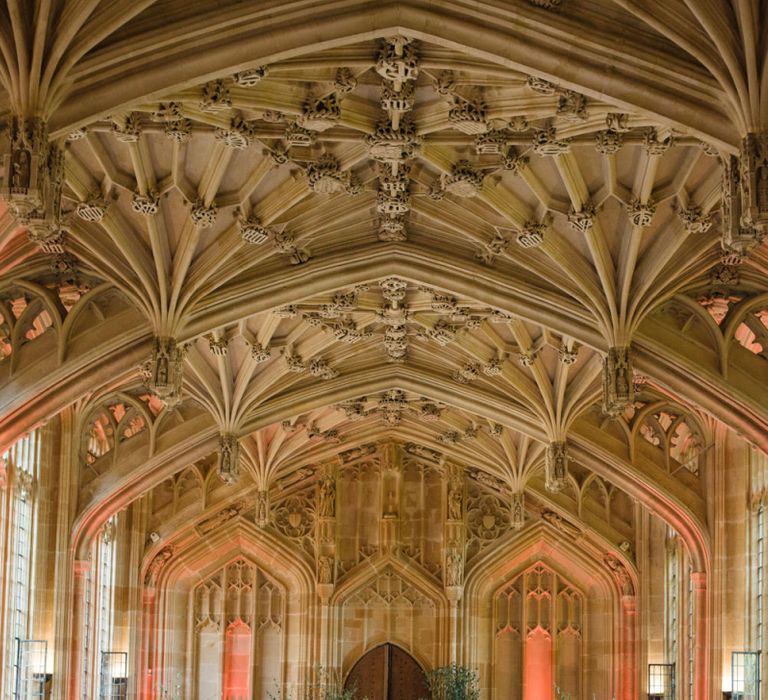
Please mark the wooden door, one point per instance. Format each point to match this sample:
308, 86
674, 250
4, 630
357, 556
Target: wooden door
388, 673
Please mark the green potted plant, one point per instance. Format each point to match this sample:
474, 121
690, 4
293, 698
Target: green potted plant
453, 682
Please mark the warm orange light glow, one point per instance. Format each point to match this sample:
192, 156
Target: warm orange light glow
537, 678
237, 662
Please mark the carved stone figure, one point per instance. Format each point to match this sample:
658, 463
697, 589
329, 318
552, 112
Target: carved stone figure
556, 466
454, 568
229, 458
620, 574
160, 560
754, 181
325, 570
33, 176
298, 476
166, 370
560, 524
618, 389
326, 501
223, 516
455, 500
517, 516
262, 508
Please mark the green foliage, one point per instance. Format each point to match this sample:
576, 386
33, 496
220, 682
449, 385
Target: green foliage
453, 682
327, 685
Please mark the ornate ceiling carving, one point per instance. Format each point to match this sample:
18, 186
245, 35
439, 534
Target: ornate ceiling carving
388, 239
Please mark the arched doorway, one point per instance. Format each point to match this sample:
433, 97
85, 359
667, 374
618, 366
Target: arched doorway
388, 673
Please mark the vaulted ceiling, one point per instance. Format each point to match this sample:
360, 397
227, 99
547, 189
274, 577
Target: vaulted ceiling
371, 225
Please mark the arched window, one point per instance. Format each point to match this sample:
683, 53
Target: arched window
106, 610
236, 648
538, 637
22, 461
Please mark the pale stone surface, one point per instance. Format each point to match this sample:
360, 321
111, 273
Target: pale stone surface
421, 323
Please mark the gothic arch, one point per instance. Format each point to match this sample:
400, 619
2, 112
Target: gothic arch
504, 41
416, 588
579, 561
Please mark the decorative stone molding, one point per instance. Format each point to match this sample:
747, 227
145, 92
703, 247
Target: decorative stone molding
298, 136
178, 130
222, 517
620, 574
252, 231
572, 106
202, 215
217, 346
641, 213
50, 242
655, 147
694, 221
618, 388
33, 176
127, 129
567, 356
260, 353
320, 368
215, 97
320, 115
238, 136
392, 144
157, 564
514, 162
466, 374
251, 77
392, 229
344, 81
546, 143
326, 177
398, 62
531, 235
543, 87
146, 204
608, 142
464, 180
228, 467
92, 210
294, 363
468, 117
617, 122
519, 123
754, 180
286, 244
584, 219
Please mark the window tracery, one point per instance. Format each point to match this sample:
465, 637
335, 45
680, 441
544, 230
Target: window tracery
538, 636
238, 617
20, 516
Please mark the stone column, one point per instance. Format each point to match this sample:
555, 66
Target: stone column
701, 642
327, 503
629, 647
147, 631
453, 564
81, 569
